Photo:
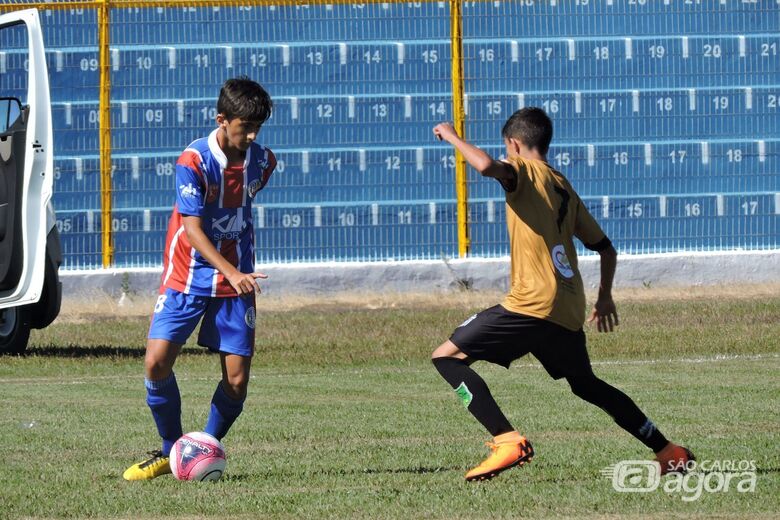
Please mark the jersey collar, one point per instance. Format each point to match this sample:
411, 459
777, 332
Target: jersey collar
219, 155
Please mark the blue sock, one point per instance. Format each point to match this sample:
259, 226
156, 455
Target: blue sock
224, 411
164, 400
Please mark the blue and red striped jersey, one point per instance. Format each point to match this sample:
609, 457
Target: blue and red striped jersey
221, 194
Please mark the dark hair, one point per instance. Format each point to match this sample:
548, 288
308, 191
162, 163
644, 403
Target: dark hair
244, 99
530, 126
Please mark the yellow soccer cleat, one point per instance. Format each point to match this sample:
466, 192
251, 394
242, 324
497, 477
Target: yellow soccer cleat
152, 467
508, 450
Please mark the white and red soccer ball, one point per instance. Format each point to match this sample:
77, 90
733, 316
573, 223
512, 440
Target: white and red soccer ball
197, 456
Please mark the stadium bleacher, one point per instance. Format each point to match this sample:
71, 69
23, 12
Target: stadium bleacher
665, 112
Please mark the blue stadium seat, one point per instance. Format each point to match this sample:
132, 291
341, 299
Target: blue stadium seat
80, 238
69, 27
139, 236
75, 127
584, 19
73, 73
668, 108
76, 183
332, 231
13, 73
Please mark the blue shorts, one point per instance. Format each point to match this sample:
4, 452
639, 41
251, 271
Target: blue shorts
228, 323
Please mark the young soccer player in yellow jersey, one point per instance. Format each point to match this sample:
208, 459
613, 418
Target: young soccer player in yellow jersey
545, 309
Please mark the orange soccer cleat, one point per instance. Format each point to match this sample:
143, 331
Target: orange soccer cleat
508, 450
674, 459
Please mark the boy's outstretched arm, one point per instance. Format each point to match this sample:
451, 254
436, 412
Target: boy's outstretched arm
476, 157
243, 283
604, 311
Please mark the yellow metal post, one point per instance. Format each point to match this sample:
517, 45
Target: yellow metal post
104, 109
459, 121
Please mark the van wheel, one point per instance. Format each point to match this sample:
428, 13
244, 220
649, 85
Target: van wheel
14, 330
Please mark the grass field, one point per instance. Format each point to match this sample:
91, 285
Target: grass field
346, 418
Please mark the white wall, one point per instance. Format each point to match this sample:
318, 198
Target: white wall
662, 270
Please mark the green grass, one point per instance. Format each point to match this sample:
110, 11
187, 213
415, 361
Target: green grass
346, 418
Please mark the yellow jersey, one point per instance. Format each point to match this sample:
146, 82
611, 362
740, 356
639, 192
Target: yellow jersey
543, 214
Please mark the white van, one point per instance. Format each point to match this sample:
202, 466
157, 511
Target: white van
30, 255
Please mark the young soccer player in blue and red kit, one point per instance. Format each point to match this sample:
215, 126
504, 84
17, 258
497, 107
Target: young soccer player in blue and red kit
208, 268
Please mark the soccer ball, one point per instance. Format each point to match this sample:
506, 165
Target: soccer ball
197, 456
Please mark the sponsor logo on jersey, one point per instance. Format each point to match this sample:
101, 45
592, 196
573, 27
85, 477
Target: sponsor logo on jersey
467, 321
189, 191
227, 227
249, 317
561, 261
255, 186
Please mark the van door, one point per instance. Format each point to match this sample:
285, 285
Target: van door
26, 158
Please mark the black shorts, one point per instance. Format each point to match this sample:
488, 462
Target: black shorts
501, 336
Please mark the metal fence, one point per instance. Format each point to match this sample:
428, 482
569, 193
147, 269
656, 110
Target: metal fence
665, 113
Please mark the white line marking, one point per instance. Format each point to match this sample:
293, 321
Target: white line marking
305, 161
342, 53
401, 52
79, 168
81, 380
362, 159
260, 217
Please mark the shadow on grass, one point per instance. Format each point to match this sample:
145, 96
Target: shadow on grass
419, 470
97, 351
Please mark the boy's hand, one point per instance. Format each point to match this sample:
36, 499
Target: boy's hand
604, 314
245, 283
445, 131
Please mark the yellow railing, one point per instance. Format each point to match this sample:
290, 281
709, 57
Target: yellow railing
103, 8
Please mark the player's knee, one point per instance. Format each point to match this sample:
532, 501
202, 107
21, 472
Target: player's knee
583, 385
447, 349
156, 368
236, 387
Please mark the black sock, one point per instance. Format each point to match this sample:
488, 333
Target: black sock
474, 393
622, 409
